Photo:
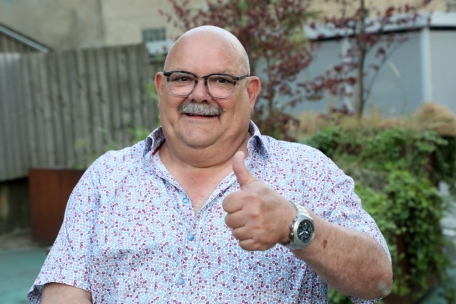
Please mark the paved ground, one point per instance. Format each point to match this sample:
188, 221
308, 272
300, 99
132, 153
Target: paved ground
21, 260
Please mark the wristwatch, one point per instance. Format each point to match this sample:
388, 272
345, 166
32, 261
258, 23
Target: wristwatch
302, 230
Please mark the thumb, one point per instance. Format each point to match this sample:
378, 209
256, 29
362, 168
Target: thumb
242, 173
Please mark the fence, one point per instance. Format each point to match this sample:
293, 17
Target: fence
13, 42
60, 109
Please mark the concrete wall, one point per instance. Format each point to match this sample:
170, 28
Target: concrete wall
124, 21
443, 68
56, 23
335, 8
67, 24
422, 69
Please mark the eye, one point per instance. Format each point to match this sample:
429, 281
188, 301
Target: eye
218, 79
181, 78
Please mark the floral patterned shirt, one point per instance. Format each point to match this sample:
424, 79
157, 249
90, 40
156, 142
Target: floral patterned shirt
130, 234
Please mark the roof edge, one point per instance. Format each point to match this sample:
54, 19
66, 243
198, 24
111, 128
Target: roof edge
28, 41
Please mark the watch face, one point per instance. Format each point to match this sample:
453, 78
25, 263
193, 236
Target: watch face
305, 231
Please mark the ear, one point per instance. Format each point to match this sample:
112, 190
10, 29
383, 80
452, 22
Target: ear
159, 84
253, 89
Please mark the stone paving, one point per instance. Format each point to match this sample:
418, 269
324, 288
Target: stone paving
20, 262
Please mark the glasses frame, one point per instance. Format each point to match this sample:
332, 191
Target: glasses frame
235, 80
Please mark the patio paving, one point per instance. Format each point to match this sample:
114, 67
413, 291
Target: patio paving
18, 271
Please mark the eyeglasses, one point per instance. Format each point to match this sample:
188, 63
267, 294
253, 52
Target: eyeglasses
183, 83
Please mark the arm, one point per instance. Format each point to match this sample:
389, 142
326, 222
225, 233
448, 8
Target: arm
352, 262
68, 262
56, 293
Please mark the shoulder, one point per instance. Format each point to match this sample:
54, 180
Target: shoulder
300, 161
290, 151
127, 159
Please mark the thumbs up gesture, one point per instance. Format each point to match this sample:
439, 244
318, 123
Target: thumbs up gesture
260, 217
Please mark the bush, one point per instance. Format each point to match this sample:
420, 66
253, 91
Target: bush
397, 170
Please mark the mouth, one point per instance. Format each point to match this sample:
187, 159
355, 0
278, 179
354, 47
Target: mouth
199, 115
200, 110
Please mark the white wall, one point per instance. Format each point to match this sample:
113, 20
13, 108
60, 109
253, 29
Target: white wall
443, 68
399, 87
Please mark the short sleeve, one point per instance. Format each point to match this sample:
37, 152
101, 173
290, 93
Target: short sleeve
68, 262
339, 204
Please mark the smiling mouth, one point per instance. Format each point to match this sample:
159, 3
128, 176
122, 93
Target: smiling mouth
200, 115
203, 109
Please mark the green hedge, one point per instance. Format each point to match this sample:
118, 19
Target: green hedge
396, 171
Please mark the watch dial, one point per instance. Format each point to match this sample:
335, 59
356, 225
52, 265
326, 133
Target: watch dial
305, 230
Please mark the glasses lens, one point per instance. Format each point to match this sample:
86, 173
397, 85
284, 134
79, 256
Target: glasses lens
220, 86
181, 83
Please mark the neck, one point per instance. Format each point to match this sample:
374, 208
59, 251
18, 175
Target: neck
184, 157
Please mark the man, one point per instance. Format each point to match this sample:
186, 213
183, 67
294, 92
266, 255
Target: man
208, 210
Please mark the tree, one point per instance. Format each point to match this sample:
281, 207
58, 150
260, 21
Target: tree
272, 33
380, 33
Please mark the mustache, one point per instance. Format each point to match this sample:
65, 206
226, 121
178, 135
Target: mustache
200, 108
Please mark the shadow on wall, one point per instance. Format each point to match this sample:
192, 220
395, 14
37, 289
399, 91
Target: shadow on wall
14, 205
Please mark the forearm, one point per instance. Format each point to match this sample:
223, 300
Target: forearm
351, 262
56, 293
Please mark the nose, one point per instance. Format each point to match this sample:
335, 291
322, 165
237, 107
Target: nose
200, 92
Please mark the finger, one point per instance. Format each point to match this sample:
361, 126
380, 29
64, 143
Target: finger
251, 245
242, 233
243, 174
232, 203
235, 220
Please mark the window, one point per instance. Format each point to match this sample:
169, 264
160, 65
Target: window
154, 34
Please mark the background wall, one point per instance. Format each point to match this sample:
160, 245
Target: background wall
67, 24
59, 24
443, 68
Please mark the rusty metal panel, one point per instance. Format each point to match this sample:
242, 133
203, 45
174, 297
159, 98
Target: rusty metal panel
49, 190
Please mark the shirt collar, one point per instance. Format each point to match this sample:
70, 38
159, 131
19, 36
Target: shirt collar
255, 144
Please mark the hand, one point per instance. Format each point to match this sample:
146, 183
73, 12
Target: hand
260, 217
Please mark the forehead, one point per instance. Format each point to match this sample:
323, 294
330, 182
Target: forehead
204, 54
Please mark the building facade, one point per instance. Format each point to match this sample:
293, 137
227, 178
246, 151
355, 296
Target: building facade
69, 24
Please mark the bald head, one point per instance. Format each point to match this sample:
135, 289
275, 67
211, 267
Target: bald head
210, 37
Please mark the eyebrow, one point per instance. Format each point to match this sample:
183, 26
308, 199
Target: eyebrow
215, 72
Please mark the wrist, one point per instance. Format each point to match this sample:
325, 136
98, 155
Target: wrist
302, 230
289, 218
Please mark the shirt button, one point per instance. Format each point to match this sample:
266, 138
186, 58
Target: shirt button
180, 281
190, 237
185, 200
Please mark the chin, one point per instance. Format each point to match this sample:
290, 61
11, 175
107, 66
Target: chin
198, 138
198, 144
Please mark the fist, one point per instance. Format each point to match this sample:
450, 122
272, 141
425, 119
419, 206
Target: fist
260, 217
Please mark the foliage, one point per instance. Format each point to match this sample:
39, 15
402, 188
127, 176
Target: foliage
136, 134
363, 31
272, 32
273, 35
397, 171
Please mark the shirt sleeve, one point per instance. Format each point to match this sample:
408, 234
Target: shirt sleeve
68, 262
339, 204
